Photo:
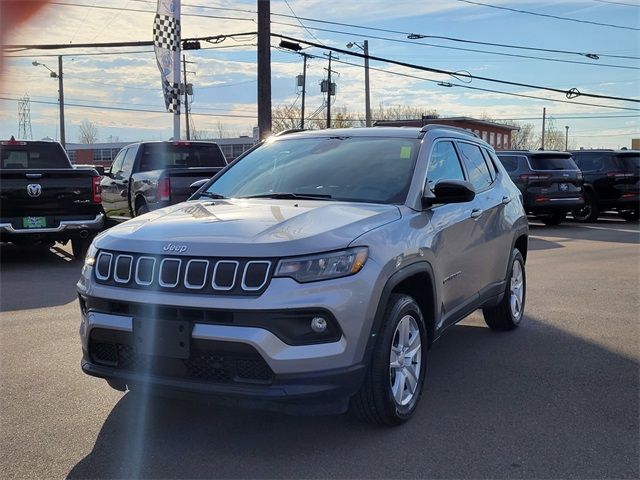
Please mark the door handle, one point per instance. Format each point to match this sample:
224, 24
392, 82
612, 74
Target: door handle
112, 183
506, 200
476, 213
125, 182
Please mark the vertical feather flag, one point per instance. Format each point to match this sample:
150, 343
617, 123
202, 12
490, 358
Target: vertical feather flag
166, 43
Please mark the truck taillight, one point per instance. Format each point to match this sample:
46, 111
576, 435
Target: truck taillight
96, 190
164, 190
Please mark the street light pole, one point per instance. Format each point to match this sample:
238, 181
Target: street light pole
59, 76
304, 89
367, 100
61, 99
566, 137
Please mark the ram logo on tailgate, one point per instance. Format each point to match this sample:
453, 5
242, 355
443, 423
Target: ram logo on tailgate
34, 189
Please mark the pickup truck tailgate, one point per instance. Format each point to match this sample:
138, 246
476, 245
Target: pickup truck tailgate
181, 178
50, 193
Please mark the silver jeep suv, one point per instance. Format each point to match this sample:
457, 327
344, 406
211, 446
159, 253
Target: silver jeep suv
311, 274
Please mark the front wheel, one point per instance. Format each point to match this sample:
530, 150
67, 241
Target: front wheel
630, 215
509, 312
394, 381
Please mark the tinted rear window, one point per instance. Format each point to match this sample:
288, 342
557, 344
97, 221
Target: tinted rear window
49, 155
157, 156
552, 163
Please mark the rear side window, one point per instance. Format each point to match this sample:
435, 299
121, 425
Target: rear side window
479, 174
444, 164
158, 156
490, 165
34, 156
549, 162
510, 162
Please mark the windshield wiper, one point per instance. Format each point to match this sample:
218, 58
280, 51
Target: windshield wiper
292, 196
216, 196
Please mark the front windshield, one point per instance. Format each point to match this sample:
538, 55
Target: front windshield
358, 169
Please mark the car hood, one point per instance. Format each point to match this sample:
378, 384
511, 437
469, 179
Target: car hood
256, 228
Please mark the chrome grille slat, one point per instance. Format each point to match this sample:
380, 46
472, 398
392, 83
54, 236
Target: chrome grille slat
266, 276
204, 278
116, 277
160, 270
153, 271
214, 285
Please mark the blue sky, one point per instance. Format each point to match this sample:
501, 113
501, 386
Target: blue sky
225, 78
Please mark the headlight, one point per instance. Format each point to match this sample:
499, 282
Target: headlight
324, 265
90, 257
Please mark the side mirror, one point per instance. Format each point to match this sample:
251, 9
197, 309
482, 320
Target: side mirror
449, 191
106, 171
195, 186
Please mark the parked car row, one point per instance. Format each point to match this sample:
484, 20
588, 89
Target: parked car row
583, 182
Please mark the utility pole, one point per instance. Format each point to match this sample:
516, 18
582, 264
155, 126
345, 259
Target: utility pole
329, 93
304, 88
544, 120
61, 98
367, 100
264, 68
186, 97
566, 138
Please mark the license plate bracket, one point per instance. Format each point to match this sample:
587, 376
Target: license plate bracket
162, 338
34, 222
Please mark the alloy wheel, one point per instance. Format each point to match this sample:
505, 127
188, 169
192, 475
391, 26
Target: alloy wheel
405, 360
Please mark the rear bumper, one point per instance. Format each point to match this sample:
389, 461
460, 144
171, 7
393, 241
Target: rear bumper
64, 226
627, 200
545, 203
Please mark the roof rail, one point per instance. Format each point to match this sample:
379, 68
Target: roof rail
291, 130
433, 126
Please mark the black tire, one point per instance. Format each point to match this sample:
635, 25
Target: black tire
117, 385
630, 215
141, 208
590, 211
79, 247
502, 317
553, 219
374, 402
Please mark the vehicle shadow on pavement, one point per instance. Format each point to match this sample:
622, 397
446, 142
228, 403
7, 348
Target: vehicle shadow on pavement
535, 402
36, 277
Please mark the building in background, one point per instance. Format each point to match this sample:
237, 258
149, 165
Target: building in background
635, 143
498, 135
104, 153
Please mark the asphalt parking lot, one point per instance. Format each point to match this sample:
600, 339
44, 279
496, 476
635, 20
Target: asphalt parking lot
556, 398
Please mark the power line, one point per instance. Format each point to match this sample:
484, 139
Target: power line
300, 22
557, 17
571, 93
504, 54
594, 56
618, 3
449, 84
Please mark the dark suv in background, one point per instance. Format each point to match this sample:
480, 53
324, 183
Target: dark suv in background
611, 182
550, 182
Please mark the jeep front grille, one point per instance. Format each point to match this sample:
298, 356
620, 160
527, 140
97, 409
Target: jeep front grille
221, 276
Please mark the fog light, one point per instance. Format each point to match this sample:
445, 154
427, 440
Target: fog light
318, 324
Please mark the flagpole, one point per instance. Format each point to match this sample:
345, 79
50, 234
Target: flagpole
176, 74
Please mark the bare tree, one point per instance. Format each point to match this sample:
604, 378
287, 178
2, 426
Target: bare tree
554, 139
523, 139
113, 139
88, 132
200, 134
402, 112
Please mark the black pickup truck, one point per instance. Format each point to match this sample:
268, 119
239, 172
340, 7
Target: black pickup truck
150, 175
44, 199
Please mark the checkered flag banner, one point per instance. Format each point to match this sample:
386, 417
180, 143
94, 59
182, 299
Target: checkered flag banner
166, 43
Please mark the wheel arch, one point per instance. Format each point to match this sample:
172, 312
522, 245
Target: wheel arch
416, 280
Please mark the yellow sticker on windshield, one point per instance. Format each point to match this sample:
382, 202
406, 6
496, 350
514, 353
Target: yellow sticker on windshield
405, 152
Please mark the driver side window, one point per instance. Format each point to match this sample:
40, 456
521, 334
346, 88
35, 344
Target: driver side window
444, 165
116, 166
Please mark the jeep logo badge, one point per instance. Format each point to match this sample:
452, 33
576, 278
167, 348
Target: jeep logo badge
34, 189
172, 247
